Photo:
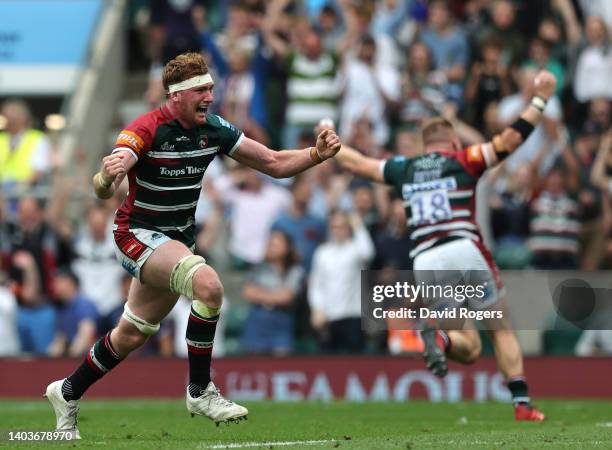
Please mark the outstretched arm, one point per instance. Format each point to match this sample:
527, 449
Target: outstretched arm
359, 164
515, 134
353, 160
287, 163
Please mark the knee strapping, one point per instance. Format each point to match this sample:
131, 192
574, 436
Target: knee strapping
181, 278
204, 310
143, 326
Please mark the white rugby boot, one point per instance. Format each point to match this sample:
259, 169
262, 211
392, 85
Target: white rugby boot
65, 411
213, 405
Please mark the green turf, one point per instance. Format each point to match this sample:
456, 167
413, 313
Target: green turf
166, 424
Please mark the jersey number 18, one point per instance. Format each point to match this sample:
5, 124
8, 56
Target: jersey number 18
430, 207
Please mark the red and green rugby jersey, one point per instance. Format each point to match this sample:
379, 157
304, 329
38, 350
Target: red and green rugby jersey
165, 183
439, 193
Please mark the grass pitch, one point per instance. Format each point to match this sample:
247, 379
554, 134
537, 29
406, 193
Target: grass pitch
160, 424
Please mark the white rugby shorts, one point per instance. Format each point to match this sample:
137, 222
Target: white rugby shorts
461, 261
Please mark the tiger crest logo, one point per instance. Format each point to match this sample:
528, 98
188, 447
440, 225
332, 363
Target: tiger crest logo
203, 142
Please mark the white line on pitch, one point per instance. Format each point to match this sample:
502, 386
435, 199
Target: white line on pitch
266, 444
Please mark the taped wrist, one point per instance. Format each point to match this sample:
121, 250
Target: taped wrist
103, 182
523, 127
539, 103
314, 155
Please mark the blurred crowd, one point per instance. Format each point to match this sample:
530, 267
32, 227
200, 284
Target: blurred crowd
378, 69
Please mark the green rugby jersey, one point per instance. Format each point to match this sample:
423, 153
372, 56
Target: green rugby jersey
312, 89
439, 193
165, 183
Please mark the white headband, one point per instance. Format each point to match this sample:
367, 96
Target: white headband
198, 80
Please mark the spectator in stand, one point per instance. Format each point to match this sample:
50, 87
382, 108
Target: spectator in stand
594, 343
358, 19
35, 234
328, 26
238, 92
9, 334
504, 28
393, 245
594, 63
305, 231
371, 90
361, 137
601, 177
489, 82
24, 152
449, 46
510, 214
335, 275
540, 58
95, 264
312, 83
600, 112
239, 30
592, 235
555, 221
475, 16
75, 331
329, 191
271, 288
551, 33
424, 90
544, 134
173, 29
511, 210
174, 26
601, 8
254, 203
366, 207
241, 62
388, 16
564, 15
35, 316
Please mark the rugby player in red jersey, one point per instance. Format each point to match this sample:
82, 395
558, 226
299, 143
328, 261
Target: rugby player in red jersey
439, 189
164, 154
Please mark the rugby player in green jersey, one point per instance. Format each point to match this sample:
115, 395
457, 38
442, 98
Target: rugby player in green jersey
439, 189
164, 153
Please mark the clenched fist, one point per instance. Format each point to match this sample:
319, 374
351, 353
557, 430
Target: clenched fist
113, 166
328, 144
545, 84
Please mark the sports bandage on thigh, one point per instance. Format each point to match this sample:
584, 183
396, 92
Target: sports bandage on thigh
181, 278
143, 326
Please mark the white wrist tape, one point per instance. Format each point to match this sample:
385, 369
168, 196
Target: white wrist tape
198, 80
538, 103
